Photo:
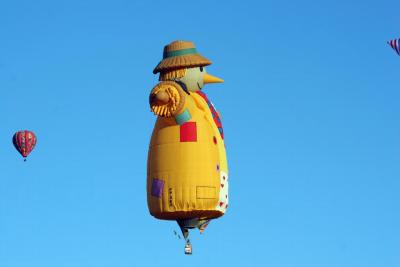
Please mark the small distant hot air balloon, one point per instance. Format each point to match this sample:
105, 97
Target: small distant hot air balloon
395, 44
24, 141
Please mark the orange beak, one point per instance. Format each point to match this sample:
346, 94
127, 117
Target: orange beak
208, 78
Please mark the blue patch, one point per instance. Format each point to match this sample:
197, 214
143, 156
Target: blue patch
157, 187
183, 117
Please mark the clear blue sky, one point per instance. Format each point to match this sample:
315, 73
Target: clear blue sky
310, 107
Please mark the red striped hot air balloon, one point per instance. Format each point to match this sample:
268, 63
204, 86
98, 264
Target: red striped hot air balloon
395, 44
24, 141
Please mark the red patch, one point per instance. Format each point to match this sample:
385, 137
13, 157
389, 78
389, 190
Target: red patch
188, 132
221, 203
215, 140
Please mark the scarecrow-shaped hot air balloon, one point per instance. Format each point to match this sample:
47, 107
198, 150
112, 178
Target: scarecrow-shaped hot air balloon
24, 141
187, 172
395, 44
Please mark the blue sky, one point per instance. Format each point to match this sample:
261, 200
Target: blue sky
310, 108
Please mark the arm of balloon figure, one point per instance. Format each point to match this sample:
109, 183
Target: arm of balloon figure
167, 99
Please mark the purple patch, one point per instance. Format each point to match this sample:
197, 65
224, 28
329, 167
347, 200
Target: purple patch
157, 188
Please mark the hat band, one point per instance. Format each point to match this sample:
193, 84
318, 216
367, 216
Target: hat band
182, 52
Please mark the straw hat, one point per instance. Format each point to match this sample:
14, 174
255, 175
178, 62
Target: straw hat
180, 54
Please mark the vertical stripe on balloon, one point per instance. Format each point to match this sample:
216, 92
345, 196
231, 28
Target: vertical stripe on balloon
395, 44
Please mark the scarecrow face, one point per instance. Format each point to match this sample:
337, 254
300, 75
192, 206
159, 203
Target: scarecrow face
194, 78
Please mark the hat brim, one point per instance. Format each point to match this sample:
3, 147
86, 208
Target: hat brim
185, 61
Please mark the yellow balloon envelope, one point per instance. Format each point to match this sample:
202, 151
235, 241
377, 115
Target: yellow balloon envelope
187, 169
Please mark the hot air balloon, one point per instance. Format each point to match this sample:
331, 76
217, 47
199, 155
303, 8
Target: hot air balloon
395, 44
24, 141
187, 171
